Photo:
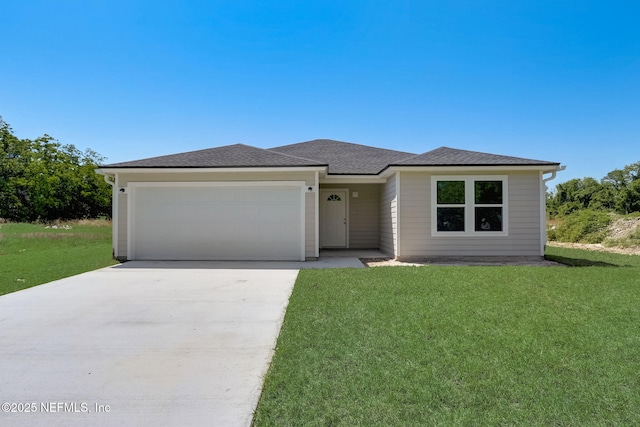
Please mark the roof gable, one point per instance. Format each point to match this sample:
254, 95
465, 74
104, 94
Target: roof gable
238, 155
345, 158
445, 156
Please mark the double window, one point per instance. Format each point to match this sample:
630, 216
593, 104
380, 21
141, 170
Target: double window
469, 205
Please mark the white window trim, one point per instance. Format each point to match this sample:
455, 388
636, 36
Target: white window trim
469, 206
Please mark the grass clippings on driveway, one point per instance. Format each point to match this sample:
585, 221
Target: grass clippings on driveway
31, 254
443, 345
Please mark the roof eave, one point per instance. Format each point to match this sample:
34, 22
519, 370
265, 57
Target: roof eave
389, 170
197, 169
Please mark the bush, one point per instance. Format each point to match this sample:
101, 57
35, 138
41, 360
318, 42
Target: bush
584, 226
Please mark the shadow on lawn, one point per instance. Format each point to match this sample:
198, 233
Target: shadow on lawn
580, 262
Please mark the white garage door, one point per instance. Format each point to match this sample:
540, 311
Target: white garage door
214, 221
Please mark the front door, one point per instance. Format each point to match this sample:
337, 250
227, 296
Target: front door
333, 218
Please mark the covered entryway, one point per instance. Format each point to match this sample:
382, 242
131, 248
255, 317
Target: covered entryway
216, 221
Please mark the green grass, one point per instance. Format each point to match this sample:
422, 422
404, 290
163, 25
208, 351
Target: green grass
530, 346
584, 258
31, 254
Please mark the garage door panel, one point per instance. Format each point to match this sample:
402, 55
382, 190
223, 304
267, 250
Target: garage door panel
217, 223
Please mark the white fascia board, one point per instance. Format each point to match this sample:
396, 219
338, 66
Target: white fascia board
102, 171
468, 169
387, 173
352, 179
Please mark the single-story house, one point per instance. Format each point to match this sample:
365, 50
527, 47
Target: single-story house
239, 202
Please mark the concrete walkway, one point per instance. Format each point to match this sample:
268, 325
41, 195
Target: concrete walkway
161, 344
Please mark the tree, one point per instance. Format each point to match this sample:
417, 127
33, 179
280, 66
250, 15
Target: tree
577, 194
624, 186
43, 180
14, 159
628, 199
618, 191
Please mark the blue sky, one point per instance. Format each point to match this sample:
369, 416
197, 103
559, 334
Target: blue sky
550, 80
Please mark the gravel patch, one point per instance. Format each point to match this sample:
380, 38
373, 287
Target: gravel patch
461, 261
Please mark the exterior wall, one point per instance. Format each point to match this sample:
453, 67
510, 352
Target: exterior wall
310, 225
121, 250
364, 214
388, 217
523, 206
394, 217
308, 177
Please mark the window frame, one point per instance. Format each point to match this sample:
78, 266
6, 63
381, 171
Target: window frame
469, 206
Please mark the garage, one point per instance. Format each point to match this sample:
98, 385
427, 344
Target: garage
216, 221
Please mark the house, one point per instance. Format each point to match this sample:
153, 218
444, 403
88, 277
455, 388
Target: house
239, 202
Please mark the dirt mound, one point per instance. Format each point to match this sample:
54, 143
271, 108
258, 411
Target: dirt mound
619, 229
623, 227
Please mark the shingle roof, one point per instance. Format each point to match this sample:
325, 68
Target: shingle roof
445, 156
238, 155
341, 158
345, 158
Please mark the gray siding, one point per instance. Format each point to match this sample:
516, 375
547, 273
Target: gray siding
364, 214
388, 217
121, 250
414, 212
310, 225
523, 237
307, 177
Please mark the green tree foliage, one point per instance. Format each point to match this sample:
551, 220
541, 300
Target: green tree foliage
42, 179
626, 184
619, 192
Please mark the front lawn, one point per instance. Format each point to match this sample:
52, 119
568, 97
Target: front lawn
460, 346
31, 254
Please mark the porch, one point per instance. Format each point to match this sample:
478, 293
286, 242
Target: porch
372, 254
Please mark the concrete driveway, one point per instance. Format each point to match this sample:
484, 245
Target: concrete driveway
161, 344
